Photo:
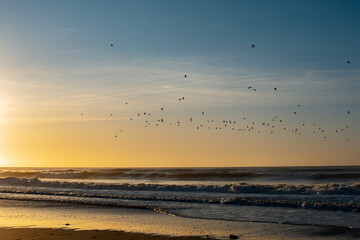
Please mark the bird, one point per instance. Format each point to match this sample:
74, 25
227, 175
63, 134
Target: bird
298, 105
202, 113
252, 45
348, 62
111, 45
249, 87
162, 109
185, 76
275, 89
348, 112
294, 112
183, 98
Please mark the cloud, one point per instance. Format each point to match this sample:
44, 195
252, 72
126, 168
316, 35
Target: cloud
149, 82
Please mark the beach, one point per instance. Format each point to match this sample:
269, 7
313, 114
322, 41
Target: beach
59, 234
179, 119
21, 220
48, 233
251, 203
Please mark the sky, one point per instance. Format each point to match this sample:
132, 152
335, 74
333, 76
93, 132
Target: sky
70, 99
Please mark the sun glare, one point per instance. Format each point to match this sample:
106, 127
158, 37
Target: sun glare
2, 162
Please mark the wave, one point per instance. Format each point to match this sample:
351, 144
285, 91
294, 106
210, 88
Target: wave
194, 174
139, 200
238, 188
132, 174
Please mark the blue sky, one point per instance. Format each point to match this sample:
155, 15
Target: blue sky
288, 34
56, 60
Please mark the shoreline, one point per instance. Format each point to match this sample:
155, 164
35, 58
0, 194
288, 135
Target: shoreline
30, 220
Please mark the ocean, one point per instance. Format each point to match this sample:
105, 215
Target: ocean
309, 196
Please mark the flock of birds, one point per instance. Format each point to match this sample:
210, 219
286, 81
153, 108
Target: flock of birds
236, 125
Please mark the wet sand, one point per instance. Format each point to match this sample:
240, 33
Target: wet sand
71, 234
68, 234
32, 220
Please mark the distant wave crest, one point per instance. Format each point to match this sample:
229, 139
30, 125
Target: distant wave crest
194, 174
240, 188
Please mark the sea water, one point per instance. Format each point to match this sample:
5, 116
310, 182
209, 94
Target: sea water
306, 196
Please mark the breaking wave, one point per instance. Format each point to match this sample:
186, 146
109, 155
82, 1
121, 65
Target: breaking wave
332, 188
323, 174
320, 197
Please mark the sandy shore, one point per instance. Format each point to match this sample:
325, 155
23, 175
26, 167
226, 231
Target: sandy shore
68, 234
31, 220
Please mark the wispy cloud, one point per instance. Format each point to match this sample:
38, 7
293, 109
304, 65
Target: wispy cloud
148, 83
